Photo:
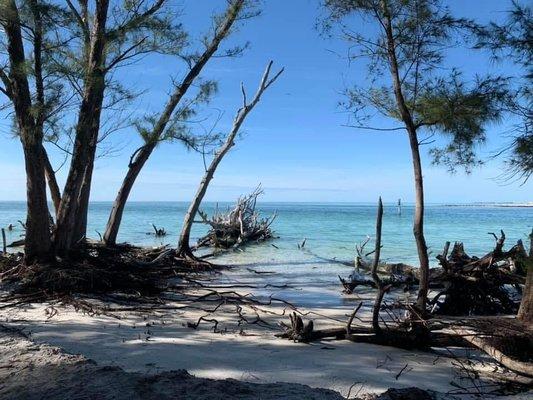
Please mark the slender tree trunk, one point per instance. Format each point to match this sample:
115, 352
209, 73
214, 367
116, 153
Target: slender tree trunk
375, 276
37, 241
184, 248
53, 187
418, 224
115, 217
525, 312
140, 157
86, 136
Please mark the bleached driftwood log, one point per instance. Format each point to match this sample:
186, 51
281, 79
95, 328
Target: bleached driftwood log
238, 225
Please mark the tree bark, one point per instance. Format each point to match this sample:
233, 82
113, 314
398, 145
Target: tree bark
53, 186
418, 223
86, 135
525, 312
140, 157
115, 217
37, 241
184, 248
375, 276
80, 227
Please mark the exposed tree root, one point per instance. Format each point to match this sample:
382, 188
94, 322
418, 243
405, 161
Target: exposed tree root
97, 270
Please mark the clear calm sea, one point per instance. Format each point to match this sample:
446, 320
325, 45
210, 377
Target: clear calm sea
331, 229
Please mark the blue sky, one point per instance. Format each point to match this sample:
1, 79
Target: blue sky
294, 142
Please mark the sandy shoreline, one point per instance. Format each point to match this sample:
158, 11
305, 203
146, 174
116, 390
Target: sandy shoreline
243, 347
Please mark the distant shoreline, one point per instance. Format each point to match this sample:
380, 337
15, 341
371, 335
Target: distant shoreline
512, 205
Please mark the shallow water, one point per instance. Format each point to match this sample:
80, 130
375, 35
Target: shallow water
331, 231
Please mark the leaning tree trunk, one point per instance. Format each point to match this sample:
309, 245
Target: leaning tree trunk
86, 129
115, 217
418, 224
184, 248
140, 157
37, 241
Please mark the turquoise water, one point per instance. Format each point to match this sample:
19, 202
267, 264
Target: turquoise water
331, 229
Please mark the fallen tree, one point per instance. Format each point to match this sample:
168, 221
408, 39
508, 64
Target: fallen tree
467, 284
237, 226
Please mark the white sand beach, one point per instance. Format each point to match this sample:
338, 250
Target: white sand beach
243, 347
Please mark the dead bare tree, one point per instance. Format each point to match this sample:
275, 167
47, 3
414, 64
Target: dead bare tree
184, 248
237, 226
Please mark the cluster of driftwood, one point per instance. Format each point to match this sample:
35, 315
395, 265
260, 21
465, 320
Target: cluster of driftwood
465, 285
468, 284
237, 226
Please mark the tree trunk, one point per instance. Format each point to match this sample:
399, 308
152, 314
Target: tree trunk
140, 157
184, 248
115, 217
86, 136
80, 227
418, 224
525, 312
375, 276
53, 187
37, 241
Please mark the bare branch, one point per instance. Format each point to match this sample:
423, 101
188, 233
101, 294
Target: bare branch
82, 24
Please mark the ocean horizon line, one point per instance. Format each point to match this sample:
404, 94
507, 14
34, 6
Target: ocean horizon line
347, 203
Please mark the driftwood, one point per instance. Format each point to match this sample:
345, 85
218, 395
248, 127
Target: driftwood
478, 285
480, 342
467, 285
17, 243
240, 225
485, 274
158, 232
4, 244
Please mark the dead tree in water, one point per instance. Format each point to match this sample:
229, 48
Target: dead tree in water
184, 248
237, 226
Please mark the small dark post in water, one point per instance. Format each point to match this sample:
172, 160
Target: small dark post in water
399, 206
4, 245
